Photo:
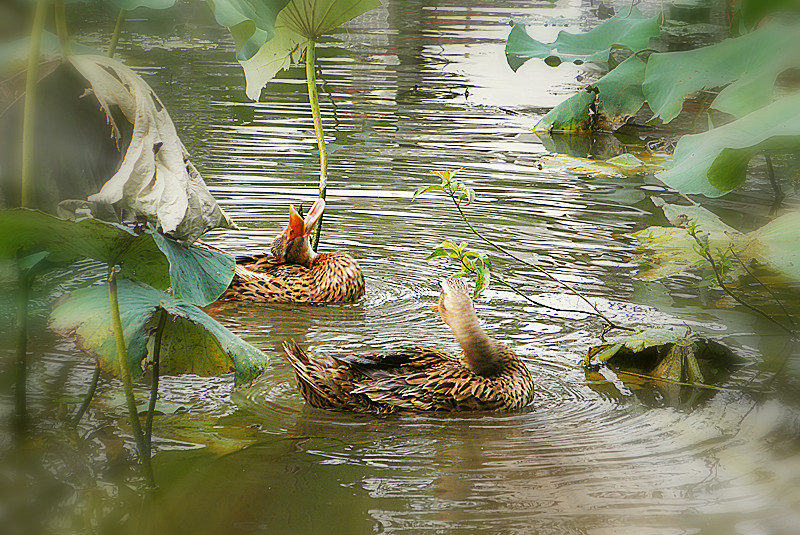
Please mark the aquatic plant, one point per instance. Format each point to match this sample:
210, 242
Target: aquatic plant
159, 205
270, 35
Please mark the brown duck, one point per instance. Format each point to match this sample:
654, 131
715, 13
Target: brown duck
486, 376
294, 272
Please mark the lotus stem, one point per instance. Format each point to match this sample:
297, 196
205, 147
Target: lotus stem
29, 110
112, 48
151, 408
21, 372
61, 27
313, 99
125, 376
89, 395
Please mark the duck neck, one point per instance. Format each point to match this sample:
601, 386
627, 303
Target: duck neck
479, 350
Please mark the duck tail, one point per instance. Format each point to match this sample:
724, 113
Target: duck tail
310, 374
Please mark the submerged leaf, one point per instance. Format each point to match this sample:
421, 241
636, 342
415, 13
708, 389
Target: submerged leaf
156, 180
193, 342
631, 32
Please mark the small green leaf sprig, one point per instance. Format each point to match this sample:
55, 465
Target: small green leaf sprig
471, 262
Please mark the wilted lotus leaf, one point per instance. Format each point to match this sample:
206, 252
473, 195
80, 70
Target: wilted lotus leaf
673, 354
156, 180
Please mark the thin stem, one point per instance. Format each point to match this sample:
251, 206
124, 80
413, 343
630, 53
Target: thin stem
125, 376
313, 99
705, 253
61, 27
776, 188
766, 288
151, 409
29, 111
89, 395
537, 268
20, 393
117, 32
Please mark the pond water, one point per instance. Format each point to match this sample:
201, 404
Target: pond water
412, 87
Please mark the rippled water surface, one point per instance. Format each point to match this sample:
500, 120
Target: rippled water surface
412, 87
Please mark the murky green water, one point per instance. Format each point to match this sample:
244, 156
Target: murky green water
417, 86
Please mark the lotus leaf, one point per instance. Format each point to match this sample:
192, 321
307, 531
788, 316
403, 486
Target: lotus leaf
632, 31
192, 342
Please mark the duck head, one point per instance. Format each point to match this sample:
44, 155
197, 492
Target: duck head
455, 302
292, 246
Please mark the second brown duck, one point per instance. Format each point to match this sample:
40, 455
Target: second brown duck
488, 375
294, 272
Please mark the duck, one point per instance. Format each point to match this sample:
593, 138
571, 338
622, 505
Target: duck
294, 272
487, 375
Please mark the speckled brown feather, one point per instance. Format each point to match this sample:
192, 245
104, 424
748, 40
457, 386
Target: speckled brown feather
332, 278
410, 378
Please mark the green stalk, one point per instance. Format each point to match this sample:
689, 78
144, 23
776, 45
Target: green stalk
89, 395
117, 32
125, 375
20, 393
61, 27
151, 409
29, 111
313, 99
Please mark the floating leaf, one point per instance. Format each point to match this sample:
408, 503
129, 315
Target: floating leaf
618, 97
631, 32
715, 162
156, 180
670, 353
193, 342
750, 64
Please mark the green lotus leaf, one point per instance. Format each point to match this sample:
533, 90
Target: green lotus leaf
192, 342
619, 97
299, 22
715, 162
197, 275
748, 65
631, 32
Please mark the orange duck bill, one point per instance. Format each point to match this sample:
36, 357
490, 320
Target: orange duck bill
299, 227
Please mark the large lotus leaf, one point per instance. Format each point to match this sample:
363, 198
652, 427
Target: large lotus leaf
750, 64
156, 180
198, 275
25, 231
193, 342
251, 23
715, 162
299, 22
619, 97
632, 32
